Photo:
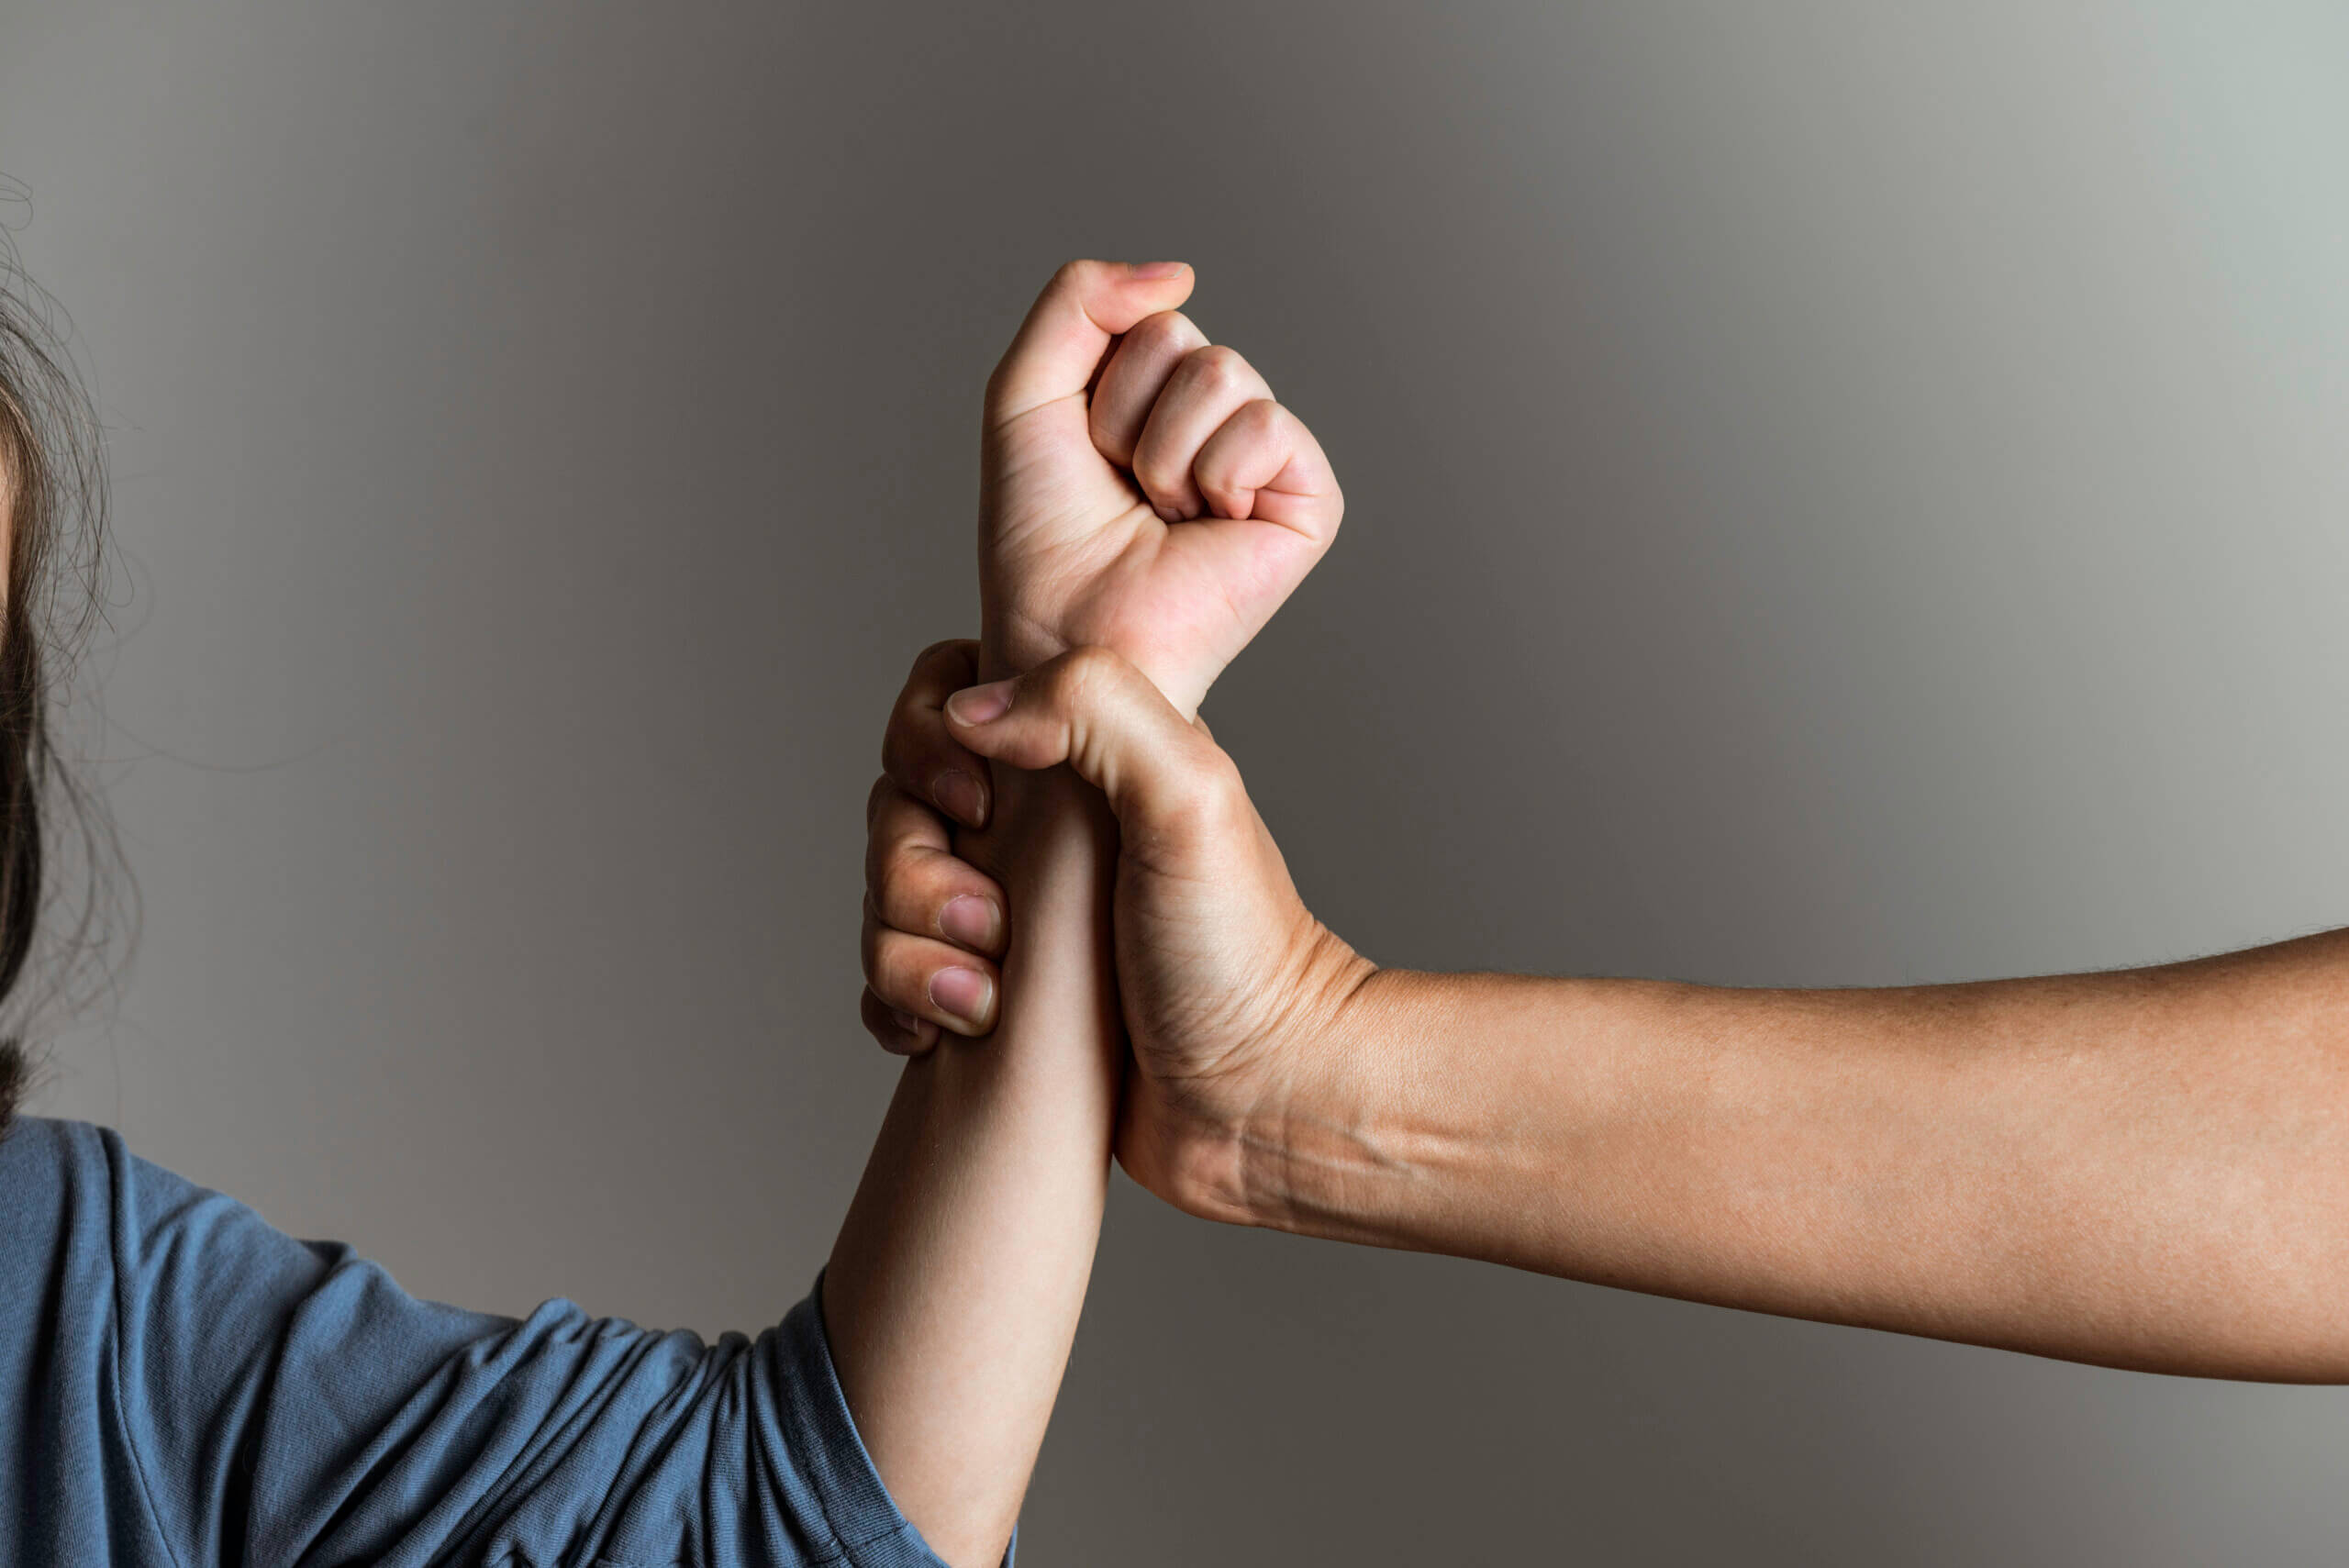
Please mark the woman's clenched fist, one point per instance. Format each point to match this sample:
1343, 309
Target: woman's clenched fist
1139, 487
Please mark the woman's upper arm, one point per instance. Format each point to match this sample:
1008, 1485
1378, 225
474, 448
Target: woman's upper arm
293, 1397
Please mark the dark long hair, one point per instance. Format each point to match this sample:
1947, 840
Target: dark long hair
53, 489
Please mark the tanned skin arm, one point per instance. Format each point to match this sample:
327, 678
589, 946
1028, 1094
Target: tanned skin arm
2145, 1168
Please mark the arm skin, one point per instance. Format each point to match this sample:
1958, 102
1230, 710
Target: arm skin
1139, 485
953, 1291
2145, 1168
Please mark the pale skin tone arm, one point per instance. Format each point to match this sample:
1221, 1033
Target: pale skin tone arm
952, 1292
2145, 1168
1139, 487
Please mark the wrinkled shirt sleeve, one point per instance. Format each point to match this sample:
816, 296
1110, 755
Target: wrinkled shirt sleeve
291, 1403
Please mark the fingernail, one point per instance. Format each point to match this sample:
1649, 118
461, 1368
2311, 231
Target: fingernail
1157, 269
906, 1021
979, 704
959, 795
1166, 514
962, 992
969, 920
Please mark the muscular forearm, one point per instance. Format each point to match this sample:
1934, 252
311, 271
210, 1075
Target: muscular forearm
2146, 1168
954, 1292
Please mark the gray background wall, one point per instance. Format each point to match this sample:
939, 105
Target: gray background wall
1839, 495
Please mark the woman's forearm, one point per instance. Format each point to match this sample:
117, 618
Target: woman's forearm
953, 1291
2145, 1168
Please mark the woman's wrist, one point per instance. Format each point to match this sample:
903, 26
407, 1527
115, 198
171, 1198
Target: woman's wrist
1045, 826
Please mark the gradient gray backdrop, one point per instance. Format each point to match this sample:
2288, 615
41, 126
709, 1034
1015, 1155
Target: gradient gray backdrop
1839, 495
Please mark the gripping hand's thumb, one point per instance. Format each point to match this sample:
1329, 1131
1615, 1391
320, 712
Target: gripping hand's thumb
1109, 723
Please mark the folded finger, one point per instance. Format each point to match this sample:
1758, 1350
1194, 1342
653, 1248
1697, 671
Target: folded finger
917, 884
1134, 378
900, 1034
1263, 463
1207, 388
917, 751
928, 979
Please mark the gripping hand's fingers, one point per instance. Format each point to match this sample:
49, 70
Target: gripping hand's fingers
928, 979
1209, 387
1263, 463
1069, 328
916, 751
1165, 780
1134, 378
900, 1034
914, 883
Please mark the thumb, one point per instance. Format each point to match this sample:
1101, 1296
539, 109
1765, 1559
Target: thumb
1108, 722
1068, 330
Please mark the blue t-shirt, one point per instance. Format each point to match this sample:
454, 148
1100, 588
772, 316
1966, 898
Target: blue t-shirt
181, 1384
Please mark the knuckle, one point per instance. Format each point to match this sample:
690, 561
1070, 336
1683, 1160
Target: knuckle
884, 869
884, 1028
1220, 780
909, 894
891, 973
1168, 329
879, 846
945, 651
1157, 469
1085, 672
905, 861
1213, 798
1263, 416
1217, 368
895, 993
